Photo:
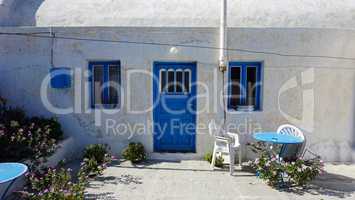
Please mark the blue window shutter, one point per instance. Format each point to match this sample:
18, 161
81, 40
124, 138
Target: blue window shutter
230, 92
244, 84
91, 90
106, 82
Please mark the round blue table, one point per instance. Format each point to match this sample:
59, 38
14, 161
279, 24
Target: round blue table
9, 172
274, 137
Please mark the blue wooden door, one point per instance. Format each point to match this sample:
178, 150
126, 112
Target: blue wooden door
174, 112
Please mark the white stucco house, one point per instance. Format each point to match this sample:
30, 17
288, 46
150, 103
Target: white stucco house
288, 61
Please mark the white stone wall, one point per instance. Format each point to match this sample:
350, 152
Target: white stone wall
179, 13
330, 129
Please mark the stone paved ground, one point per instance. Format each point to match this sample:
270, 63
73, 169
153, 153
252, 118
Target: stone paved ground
194, 180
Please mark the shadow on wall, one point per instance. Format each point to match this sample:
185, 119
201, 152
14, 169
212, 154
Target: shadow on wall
19, 12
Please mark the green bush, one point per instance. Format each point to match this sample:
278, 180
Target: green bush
134, 152
90, 168
97, 152
96, 158
219, 159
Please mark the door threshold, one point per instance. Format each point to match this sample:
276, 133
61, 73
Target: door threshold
174, 156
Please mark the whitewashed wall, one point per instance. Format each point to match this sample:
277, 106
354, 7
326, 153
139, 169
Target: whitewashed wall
178, 13
25, 61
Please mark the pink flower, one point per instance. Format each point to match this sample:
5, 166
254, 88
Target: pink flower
321, 163
256, 161
267, 164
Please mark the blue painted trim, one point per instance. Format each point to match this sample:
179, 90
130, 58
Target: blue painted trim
106, 85
243, 82
105, 64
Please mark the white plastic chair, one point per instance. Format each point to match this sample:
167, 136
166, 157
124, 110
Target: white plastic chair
288, 129
292, 130
225, 143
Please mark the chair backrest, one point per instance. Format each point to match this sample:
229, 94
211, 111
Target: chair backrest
291, 152
288, 129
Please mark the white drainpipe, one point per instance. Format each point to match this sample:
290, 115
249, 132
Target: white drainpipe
223, 35
222, 57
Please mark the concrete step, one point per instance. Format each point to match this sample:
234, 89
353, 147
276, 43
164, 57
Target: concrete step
175, 156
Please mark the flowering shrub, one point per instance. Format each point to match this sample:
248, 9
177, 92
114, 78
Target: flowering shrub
54, 184
34, 139
96, 158
301, 171
23, 138
275, 170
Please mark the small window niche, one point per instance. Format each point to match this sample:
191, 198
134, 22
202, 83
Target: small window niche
60, 77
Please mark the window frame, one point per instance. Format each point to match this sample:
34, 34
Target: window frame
106, 74
185, 91
243, 83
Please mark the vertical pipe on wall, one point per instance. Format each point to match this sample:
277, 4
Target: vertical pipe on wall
52, 35
222, 33
222, 52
